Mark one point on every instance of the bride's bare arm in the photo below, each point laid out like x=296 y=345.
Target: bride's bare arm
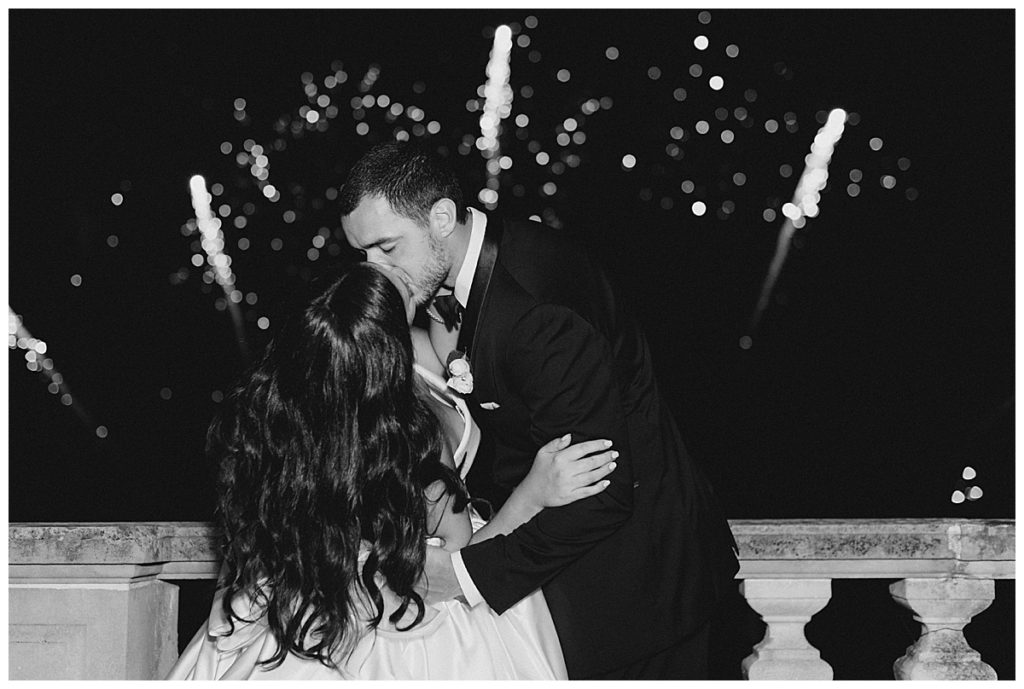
x=561 y=474
x=443 y=522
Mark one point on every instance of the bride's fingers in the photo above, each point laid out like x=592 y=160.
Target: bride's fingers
x=601 y=468
x=555 y=445
x=593 y=489
x=583 y=449
x=595 y=462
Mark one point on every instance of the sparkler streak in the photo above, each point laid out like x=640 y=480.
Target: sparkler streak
x=19 y=337
x=220 y=263
x=497 y=106
x=804 y=204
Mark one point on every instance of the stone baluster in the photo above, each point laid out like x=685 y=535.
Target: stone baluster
x=786 y=605
x=103 y=622
x=943 y=607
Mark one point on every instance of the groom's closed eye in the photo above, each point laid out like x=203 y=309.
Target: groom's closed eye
x=383 y=246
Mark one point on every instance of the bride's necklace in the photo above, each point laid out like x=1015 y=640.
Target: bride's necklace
x=433 y=316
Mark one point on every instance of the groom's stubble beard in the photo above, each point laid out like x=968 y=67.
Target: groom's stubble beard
x=435 y=270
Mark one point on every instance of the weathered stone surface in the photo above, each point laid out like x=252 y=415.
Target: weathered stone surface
x=875 y=548
x=120 y=543
x=943 y=607
x=983 y=540
x=786 y=606
x=779 y=539
x=943 y=655
x=97 y=632
x=900 y=539
x=99 y=560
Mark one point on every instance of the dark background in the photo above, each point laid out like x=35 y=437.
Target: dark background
x=882 y=367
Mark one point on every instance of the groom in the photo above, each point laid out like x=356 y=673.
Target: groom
x=631 y=575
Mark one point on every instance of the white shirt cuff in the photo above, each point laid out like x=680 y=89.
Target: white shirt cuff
x=469 y=589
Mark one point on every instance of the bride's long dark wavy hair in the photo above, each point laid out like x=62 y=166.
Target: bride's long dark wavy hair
x=325 y=445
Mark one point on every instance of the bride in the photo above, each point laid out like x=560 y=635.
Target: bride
x=340 y=454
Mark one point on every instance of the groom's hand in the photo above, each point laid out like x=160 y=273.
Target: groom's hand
x=438 y=582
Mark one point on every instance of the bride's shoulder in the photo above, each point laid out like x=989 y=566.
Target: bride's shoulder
x=423 y=351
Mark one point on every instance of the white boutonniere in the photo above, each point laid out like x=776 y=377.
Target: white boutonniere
x=460 y=378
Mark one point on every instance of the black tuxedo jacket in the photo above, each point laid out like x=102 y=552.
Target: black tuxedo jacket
x=627 y=572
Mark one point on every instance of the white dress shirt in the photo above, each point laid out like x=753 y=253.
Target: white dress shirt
x=463 y=283
x=464 y=280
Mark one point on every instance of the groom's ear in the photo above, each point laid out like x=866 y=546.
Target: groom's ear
x=442 y=217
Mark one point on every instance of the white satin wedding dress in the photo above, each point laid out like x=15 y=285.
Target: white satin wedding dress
x=453 y=642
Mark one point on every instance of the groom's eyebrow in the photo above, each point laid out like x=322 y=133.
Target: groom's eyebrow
x=378 y=242
x=363 y=247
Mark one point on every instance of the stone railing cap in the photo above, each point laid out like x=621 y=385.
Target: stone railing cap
x=875 y=539
x=110 y=543
x=762 y=539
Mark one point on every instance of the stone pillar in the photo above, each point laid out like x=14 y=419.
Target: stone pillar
x=943 y=607
x=91 y=622
x=786 y=605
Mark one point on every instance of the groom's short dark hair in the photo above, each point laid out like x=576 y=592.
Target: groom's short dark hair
x=411 y=177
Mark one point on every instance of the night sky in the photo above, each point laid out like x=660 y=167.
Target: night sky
x=882 y=367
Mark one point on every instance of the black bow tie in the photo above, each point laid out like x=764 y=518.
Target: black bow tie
x=449 y=309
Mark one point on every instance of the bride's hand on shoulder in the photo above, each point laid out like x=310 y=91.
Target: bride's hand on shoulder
x=564 y=473
x=561 y=474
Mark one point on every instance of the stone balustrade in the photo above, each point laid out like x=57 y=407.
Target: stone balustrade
x=945 y=570
x=91 y=601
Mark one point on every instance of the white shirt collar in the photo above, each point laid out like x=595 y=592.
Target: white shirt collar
x=464 y=280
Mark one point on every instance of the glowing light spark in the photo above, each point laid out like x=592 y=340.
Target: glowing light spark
x=370 y=78
x=18 y=337
x=219 y=262
x=805 y=201
x=497 y=106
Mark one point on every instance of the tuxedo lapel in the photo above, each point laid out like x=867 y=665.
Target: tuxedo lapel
x=481 y=281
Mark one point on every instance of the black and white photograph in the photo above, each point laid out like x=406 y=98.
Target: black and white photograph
x=524 y=343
